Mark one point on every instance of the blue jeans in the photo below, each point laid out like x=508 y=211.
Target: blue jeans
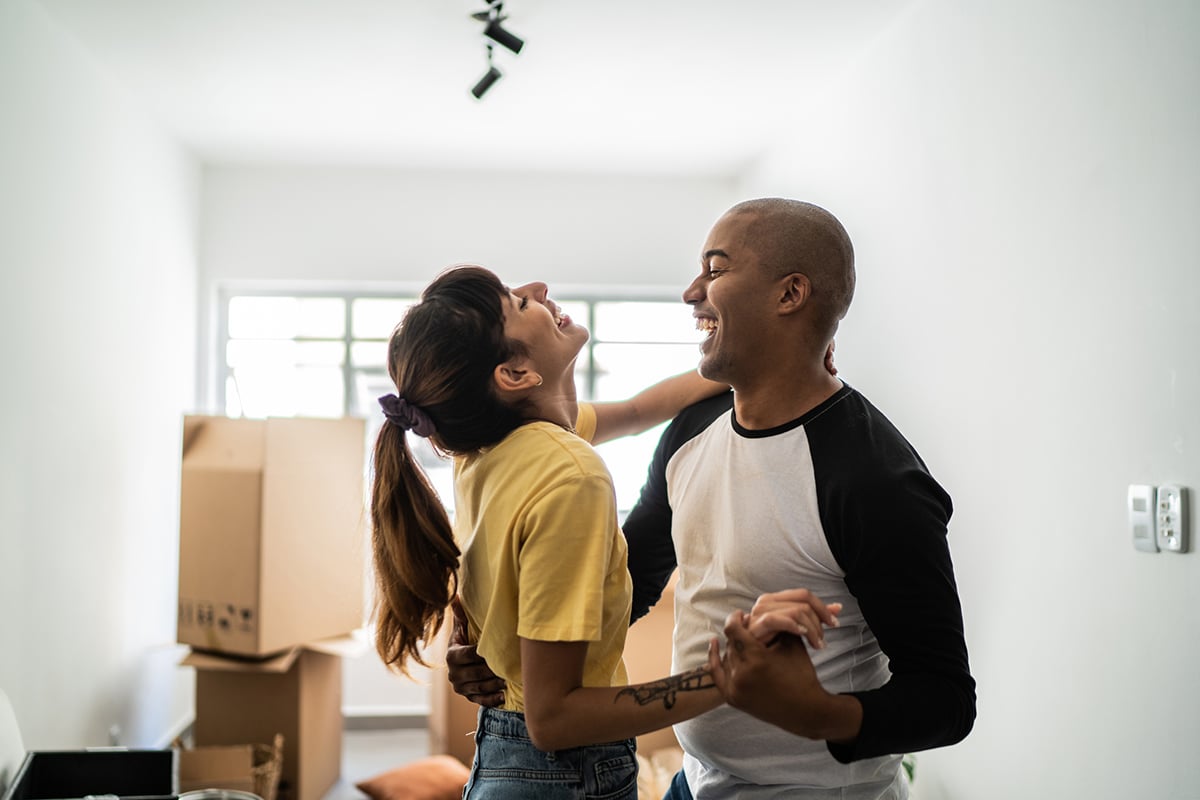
x=508 y=767
x=678 y=790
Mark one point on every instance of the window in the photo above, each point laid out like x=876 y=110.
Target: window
x=324 y=355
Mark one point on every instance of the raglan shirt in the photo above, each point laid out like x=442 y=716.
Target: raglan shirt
x=838 y=502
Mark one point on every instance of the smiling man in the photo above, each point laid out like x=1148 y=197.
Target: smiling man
x=795 y=480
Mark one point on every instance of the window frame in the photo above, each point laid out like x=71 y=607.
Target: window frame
x=588 y=294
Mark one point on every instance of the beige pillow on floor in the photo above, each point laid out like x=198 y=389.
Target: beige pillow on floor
x=438 y=777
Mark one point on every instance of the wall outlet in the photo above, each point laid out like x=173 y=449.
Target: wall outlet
x=1171 y=518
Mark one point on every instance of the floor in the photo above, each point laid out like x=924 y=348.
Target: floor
x=366 y=753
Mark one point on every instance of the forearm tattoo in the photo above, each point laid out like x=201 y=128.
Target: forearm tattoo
x=668 y=689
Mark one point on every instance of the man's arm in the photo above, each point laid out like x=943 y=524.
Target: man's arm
x=898 y=565
x=649 y=407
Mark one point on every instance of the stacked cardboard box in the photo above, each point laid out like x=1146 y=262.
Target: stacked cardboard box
x=241 y=768
x=271 y=584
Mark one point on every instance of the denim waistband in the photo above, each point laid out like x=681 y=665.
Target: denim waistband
x=511 y=725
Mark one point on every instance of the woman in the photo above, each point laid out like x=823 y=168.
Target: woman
x=488 y=375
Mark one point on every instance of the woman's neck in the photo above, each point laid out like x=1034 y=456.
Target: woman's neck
x=556 y=404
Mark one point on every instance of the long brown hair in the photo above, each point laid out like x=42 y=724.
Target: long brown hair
x=441 y=358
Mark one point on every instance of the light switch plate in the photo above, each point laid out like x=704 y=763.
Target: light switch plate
x=1171 y=518
x=1141 y=507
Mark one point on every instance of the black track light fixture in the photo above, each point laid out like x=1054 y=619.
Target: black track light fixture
x=485 y=83
x=490 y=77
x=496 y=32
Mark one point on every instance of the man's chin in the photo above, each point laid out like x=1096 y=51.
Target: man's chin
x=710 y=369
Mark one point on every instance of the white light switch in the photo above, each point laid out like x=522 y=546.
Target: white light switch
x=1141 y=517
x=1171 y=510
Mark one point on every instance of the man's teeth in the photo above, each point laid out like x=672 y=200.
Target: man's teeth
x=706 y=325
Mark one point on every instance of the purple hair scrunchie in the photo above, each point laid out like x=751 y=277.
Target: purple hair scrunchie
x=406 y=416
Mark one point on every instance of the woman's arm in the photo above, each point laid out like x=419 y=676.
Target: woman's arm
x=655 y=404
x=560 y=712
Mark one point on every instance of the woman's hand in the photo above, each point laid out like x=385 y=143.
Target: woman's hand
x=795 y=611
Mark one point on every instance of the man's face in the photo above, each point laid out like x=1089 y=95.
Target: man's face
x=732 y=299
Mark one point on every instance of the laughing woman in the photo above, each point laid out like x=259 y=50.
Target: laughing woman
x=488 y=375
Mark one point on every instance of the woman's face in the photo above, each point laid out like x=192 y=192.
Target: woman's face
x=554 y=339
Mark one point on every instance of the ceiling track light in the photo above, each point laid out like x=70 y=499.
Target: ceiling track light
x=497 y=33
x=490 y=77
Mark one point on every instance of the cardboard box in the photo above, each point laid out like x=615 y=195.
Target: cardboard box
x=253 y=768
x=452 y=717
x=297 y=694
x=58 y=775
x=271 y=532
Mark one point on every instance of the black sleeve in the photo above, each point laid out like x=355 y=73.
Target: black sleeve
x=648 y=533
x=891 y=542
x=886 y=520
x=648 y=526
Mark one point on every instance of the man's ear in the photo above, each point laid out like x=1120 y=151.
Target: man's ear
x=795 y=290
x=515 y=375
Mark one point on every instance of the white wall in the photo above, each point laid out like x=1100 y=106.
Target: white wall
x=1022 y=181
x=97 y=339
x=380 y=226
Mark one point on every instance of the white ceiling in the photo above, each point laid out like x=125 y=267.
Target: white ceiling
x=621 y=85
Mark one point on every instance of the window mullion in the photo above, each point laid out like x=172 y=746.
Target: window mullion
x=591 y=370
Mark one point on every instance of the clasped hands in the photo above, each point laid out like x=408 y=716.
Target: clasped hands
x=765 y=669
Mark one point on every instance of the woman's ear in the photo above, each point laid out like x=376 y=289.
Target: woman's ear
x=515 y=375
x=795 y=290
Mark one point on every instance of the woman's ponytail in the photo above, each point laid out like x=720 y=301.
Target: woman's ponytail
x=416 y=558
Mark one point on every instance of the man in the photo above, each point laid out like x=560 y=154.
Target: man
x=796 y=480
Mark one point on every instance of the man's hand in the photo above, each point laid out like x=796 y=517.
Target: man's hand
x=795 y=611
x=778 y=684
x=469 y=674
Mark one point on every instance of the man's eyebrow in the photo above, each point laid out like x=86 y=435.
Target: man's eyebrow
x=710 y=253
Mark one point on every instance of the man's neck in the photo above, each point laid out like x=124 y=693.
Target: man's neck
x=782 y=397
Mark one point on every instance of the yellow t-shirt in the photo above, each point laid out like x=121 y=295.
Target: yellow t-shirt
x=543 y=556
